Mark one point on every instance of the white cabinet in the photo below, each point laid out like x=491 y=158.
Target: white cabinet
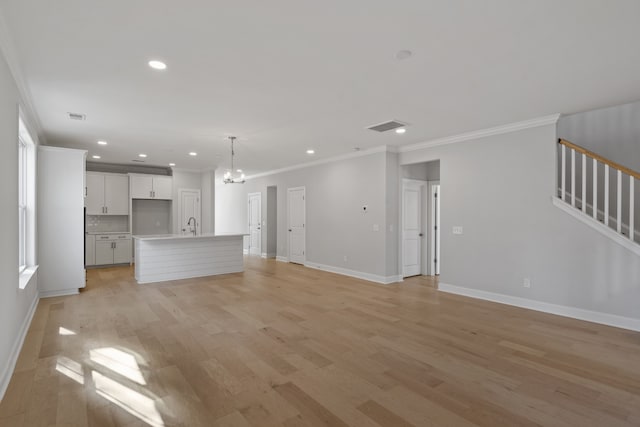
x=151 y=187
x=112 y=249
x=90 y=249
x=107 y=194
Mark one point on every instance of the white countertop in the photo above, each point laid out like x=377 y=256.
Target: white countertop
x=107 y=232
x=188 y=236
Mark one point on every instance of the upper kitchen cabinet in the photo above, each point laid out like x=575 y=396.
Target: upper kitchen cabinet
x=107 y=194
x=151 y=187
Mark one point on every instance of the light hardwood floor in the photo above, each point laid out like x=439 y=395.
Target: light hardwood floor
x=283 y=345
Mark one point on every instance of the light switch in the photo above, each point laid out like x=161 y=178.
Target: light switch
x=457 y=229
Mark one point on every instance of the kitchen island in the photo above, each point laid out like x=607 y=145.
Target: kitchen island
x=159 y=258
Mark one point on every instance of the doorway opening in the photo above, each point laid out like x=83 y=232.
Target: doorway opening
x=420 y=217
x=190 y=211
x=296 y=218
x=255 y=223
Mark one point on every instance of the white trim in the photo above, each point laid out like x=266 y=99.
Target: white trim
x=612 y=220
x=357 y=274
x=282 y=258
x=7 y=372
x=263 y=255
x=596 y=225
x=483 y=133
x=245 y=251
x=545 y=307
x=380 y=149
x=26 y=275
x=60 y=293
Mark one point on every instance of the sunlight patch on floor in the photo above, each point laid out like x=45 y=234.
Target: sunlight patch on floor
x=118 y=361
x=70 y=368
x=137 y=404
x=65 y=331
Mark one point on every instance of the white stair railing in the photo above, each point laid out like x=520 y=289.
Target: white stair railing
x=625 y=210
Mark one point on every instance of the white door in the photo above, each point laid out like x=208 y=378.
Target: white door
x=435 y=240
x=189 y=211
x=296 y=224
x=411 y=228
x=255 y=218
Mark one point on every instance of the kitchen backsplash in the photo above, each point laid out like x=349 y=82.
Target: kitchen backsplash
x=107 y=223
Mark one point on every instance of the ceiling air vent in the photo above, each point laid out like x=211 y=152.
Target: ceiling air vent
x=387 y=126
x=77 y=116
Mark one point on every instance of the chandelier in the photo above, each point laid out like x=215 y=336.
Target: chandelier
x=228 y=177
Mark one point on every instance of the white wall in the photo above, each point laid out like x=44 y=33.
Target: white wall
x=499 y=189
x=208 y=201
x=15 y=303
x=612 y=132
x=336 y=226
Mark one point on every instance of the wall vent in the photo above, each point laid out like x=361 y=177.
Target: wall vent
x=77 y=116
x=137 y=161
x=387 y=126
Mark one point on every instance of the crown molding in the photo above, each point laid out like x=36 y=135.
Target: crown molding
x=483 y=133
x=362 y=153
x=32 y=120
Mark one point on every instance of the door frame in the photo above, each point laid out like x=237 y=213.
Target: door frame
x=304 y=198
x=249 y=196
x=431 y=223
x=423 y=186
x=181 y=191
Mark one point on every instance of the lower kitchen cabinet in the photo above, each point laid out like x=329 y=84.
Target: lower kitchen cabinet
x=90 y=249
x=112 y=249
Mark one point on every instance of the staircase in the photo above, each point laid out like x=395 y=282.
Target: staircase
x=599 y=192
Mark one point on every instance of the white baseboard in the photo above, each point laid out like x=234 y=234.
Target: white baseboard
x=263 y=255
x=62 y=293
x=597 y=225
x=7 y=372
x=245 y=252
x=560 y=310
x=282 y=259
x=352 y=273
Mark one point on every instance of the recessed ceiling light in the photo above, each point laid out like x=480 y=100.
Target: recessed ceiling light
x=157 y=65
x=403 y=54
x=401 y=130
x=96 y=157
x=193 y=153
x=239 y=170
x=102 y=142
x=310 y=151
x=142 y=155
x=172 y=164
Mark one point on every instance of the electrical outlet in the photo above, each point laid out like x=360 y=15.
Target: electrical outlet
x=376 y=227
x=345 y=258
x=457 y=229
x=527 y=282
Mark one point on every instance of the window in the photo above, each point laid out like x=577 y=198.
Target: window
x=22 y=205
x=26 y=200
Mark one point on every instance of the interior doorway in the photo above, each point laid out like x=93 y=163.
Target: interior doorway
x=190 y=211
x=296 y=217
x=255 y=223
x=419 y=237
x=434 y=228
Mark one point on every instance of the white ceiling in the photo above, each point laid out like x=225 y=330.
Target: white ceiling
x=288 y=75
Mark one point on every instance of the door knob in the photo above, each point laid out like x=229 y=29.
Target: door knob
x=289 y=230
x=420 y=234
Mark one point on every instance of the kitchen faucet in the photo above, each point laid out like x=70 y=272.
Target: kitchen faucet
x=193 y=229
